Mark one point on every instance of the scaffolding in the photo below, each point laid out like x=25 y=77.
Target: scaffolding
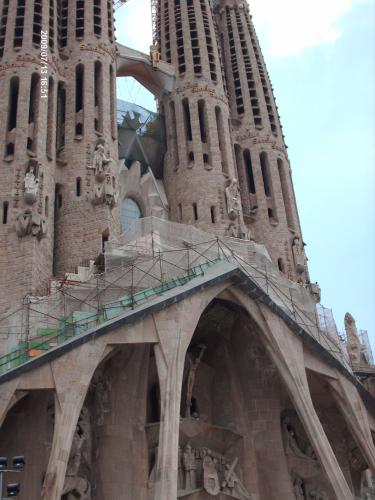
x=154 y=257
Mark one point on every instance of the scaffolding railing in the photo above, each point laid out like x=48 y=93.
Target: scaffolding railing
x=152 y=257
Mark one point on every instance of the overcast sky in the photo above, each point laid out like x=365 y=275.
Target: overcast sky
x=321 y=59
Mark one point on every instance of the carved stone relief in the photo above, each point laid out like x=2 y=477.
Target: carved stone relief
x=202 y=468
x=103 y=190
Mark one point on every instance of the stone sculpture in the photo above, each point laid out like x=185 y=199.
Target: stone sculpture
x=31 y=182
x=202 y=468
x=298 y=255
x=297 y=487
x=233 y=199
x=29 y=222
x=100 y=162
x=190 y=466
x=193 y=366
x=211 y=481
x=353 y=345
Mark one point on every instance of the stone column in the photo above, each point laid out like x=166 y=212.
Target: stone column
x=72 y=374
x=286 y=351
x=355 y=415
x=7 y=394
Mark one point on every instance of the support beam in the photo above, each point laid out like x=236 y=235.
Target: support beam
x=286 y=351
x=352 y=408
x=72 y=373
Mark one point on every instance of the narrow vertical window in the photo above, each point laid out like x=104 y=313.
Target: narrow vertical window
x=179 y=212
x=213 y=213
x=194 y=38
x=280 y=264
x=195 y=211
x=80 y=19
x=33 y=113
x=97 y=18
x=37 y=22
x=179 y=37
x=78 y=186
x=12 y=117
x=285 y=193
x=79 y=101
x=187 y=121
x=98 y=93
x=202 y=120
x=60 y=119
x=112 y=96
x=51 y=33
x=50 y=115
x=249 y=171
x=62 y=23
x=110 y=19
x=265 y=173
x=19 y=24
x=5 y=212
x=221 y=138
x=46 y=206
x=3 y=25
x=172 y=134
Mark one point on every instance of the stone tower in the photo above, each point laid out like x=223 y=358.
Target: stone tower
x=57 y=87
x=199 y=168
x=267 y=195
x=27 y=172
x=86 y=153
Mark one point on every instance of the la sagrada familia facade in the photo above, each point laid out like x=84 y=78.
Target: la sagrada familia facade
x=160 y=337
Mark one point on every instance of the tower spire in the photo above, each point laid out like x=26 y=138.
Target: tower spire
x=262 y=162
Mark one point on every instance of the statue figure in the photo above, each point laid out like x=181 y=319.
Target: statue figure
x=100 y=161
x=154 y=56
x=180 y=477
x=211 y=481
x=233 y=201
x=190 y=466
x=291 y=445
x=298 y=255
x=31 y=183
x=297 y=487
x=353 y=344
x=193 y=366
x=232 y=484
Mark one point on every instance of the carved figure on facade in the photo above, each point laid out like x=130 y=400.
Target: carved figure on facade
x=233 y=199
x=190 y=467
x=193 y=364
x=31 y=182
x=298 y=489
x=298 y=255
x=154 y=56
x=203 y=468
x=353 y=344
x=100 y=161
x=30 y=223
x=291 y=445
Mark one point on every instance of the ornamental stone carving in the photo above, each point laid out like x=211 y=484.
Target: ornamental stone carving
x=30 y=223
x=31 y=182
x=298 y=255
x=205 y=469
x=100 y=162
x=233 y=199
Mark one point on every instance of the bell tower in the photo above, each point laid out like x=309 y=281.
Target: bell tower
x=264 y=173
x=86 y=138
x=199 y=171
